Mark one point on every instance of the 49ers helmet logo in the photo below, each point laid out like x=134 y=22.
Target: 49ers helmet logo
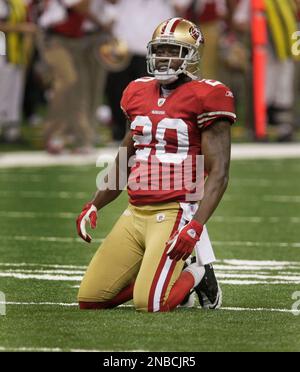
x=195 y=33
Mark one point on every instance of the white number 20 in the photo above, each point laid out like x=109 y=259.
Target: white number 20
x=144 y=140
x=213 y=83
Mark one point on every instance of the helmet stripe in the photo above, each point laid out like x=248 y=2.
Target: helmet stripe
x=171 y=26
x=175 y=25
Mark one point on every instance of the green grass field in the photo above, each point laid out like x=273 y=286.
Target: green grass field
x=255 y=233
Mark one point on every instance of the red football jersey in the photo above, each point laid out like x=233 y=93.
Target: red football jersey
x=167 y=136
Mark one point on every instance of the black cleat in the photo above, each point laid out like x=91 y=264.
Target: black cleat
x=209 y=291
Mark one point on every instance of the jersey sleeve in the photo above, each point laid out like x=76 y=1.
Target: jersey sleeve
x=218 y=104
x=125 y=102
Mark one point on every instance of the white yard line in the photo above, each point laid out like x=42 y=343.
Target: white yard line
x=259 y=263
x=281 y=198
x=46 y=349
x=257 y=282
x=265 y=269
x=17 y=177
x=255 y=181
x=237 y=243
x=229 y=272
x=64 y=278
x=256 y=276
x=131 y=306
x=59 y=350
x=39 y=304
x=259 y=182
x=254 y=219
x=220 y=268
x=261 y=309
x=232 y=264
x=21 y=215
x=66 y=195
x=217 y=219
x=222 y=276
x=48 y=239
x=49 y=266
x=262 y=198
x=57 y=271
x=243 y=282
x=234 y=243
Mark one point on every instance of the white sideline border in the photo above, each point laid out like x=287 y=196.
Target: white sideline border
x=43 y=159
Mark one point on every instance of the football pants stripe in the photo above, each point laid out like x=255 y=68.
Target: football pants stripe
x=188 y=212
x=157 y=285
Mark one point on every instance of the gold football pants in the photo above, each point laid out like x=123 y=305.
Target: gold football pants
x=135 y=251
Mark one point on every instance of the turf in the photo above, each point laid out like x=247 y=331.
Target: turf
x=258 y=220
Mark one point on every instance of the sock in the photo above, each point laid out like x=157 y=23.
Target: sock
x=180 y=289
x=197 y=271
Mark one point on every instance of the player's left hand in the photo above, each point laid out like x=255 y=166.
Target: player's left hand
x=182 y=243
x=88 y=214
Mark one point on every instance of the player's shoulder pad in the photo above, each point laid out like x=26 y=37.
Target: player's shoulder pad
x=138 y=84
x=208 y=86
x=145 y=79
x=133 y=89
x=141 y=82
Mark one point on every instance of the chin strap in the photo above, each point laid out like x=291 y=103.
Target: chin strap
x=190 y=75
x=172 y=76
x=169 y=78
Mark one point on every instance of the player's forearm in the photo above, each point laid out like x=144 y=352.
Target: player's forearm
x=7 y=27
x=216 y=148
x=105 y=197
x=214 y=190
x=110 y=191
x=24 y=27
x=119 y=172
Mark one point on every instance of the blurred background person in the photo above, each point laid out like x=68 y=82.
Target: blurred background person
x=297 y=81
x=73 y=29
x=36 y=84
x=226 y=54
x=209 y=15
x=281 y=16
x=13 y=22
x=98 y=31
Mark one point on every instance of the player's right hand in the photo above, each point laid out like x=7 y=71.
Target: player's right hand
x=88 y=214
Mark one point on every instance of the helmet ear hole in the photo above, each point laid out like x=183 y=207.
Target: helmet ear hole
x=154 y=48
x=184 y=52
